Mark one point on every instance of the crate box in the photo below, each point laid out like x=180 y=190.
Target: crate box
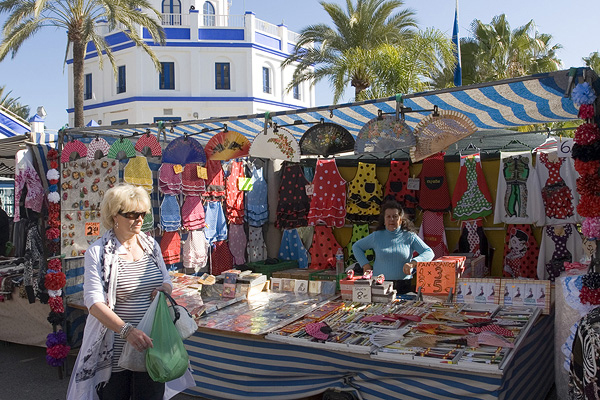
x=269 y=269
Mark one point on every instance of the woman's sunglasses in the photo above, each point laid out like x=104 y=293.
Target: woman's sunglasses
x=133 y=214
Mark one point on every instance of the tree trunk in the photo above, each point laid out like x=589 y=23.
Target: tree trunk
x=78 y=81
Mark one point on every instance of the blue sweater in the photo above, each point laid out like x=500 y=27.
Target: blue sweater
x=392 y=251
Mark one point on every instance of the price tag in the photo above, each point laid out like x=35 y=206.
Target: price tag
x=201 y=172
x=565 y=147
x=92 y=228
x=413 y=184
x=177 y=168
x=310 y=189
x=361 y=293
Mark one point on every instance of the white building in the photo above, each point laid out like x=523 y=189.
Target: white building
x=214 y=64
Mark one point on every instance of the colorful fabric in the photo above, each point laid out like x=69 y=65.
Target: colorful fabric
x=433 y=233
x=257 y=208
x=121 y=149
x=364 y=196
x=471 y=198
x=191 y=184
x=559 y=201
x=215 y=182
x=192 y=213
x=584 y=373
x=294 y=203
x=72 y=148
x=169 y=182
x=27 y=178
x=184 y=150
x=170 y=246
x=237 y=243
x=137 y=172
x=97 y=145
x=195 y=251
x=291 y=248
x=396 y=187
x=221 y=258
x=170 y=218
x=473 y=239
x=433 y=193
x=235 y=196
x=560 y=244
x=358 y=232
x=520 y=252
x=323 y=249
x=148 y=145
x=257 y=249
x=328 y=202
x=216 y=224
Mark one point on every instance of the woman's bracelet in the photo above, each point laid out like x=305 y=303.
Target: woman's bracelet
x=125 y=330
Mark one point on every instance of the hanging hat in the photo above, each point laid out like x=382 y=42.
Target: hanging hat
x=73 y=150
x=226 y=145
x=121 y=149
x=276 y=145
x=325 y=139
x=436 y=132
x=148 y=145
x=384 y=133
x=184 y=150
x=97 y=149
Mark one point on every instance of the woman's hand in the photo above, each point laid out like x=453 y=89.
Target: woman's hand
x=367 y=267
x=139 y=340
x=165 y=287
x=408 y=266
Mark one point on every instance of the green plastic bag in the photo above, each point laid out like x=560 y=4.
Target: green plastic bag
x=168 y=359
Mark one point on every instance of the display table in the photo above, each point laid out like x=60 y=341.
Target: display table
x=241 y=366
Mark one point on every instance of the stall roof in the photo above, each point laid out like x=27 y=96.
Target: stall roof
x=12 y=125
x=508 y=103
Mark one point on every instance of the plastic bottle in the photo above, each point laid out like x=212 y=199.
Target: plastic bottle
x=339 y=261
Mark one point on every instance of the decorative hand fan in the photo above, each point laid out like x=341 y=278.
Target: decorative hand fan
x=226 y=145
x=435 y=133
x=280 y=145
x=184 y=150
x=73 y=150
x=97 y=149
x=120 y=149
x=148 y=145
x=326 y=139
x=384 y=134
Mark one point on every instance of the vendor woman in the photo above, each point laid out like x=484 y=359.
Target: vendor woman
x=394 y=245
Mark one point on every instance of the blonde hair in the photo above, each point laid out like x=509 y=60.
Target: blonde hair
x=123 y=197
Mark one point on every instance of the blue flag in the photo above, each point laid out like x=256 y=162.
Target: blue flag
x=456 y=41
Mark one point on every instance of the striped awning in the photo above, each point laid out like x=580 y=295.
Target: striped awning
x=509 y=103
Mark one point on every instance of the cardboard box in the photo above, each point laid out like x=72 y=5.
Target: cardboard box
x=286 y=273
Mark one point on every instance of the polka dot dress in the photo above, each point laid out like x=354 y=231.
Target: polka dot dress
x=358 y=232
x=222 y=260
x=471 y=198
x=520 y=252
x=433 y=234
x=235 y=196
x=291 y=248
x=328 y=202
x=294 y=203
x=561 y=253
x=237 y=243
x=557 y=196
x=396 y=187
x=257 y=249
x=323 y=249
x=364 y=195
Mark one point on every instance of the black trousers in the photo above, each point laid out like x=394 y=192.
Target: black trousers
x=126 y=385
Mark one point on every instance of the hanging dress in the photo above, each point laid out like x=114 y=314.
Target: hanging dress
x=170 y=217
x=257 y=249
x=195 y=251
x=216 y=225
x=364 y=195
x=328 y=202
x=471 y=198
x=323 y=249
x=291 y=248
x=558 y=187
x=170 y=246
x=27 y=178
x=293 y=203
x=191 y=183
x=237 y=243
x=473 y=239
x=560 y=244
x=215 y=182
x=192 y=213
x=358 y=232
x=520 y=252
x=433 y=233
x=396 y=187
x=169 y=182
x=257 y=207
x=221 y=258
x=235 y=196
x=433 y=193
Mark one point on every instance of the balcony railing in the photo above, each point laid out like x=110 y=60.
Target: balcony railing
x=293 y=37
x=175 y=19
x=266 y=27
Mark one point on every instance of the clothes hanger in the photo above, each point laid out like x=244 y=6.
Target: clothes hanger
x=515 y=141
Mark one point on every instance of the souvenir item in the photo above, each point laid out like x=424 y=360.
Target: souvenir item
x=192 y=213
x=473 y=239
x=26 y=178
x=237 y=243
x=293 y=204
x=556 y=178
x=292 y=248
x=325 y=139
x=169 y=182
x=560 y=244
x=191 y=183
x=184 y=150
x=235 y=196
x=195 y=251
x=364 y=196
x=216 y=225
x=384 y=134
x=257 y=249
x=222 y=260
x=436 y=132
x=434 y=194
x=148 y=145
x=121 y=149
x=433 y=233
x=73 y=150
x=275 y=144
x=328 y=202
x=358 y=232
x=324 y=246
x=137 y=172
x=98 y=148
x=170 y=246
x=227 y=145
x=170 y=218
x=257 y=209
x=215 y=182
x=471 y=198
x=396 y=187
x=520 y=252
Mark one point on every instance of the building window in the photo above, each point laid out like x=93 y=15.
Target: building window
x=122 y=81
x=167 y=119
x=209 y=14
x=222 y=81
x=167 y=76
x=171 y=12
x=120 y=122
x=87 y=87
x=296 y=92
x=266 y=80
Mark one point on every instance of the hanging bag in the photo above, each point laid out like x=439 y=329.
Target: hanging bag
x=167 y=359
x=184 y=322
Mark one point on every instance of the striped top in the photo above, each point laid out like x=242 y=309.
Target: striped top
x=135 y=282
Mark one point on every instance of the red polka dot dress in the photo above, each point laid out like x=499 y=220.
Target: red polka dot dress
x=557 y=196
x=323 y=248
x=396 y=187
x=521 y=252
x=294 y=203
x=235 y=197
x=328 y=202
x=222 y=259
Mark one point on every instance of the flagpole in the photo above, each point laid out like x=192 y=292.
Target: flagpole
x=456 y=41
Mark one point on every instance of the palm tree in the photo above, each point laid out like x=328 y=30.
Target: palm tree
x=326 y=52
x=78 y=18
x=12 y=104
x=593 y=61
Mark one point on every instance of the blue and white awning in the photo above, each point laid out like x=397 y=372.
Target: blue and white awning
x=11 y=124
x=503 y=104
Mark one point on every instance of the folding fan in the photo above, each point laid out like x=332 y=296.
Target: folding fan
x=436 y=132
x=73 y=150
x=184 y=150
x=226 y=145
x=325 y=139
x=121 y=149
x=384 y=134
x=276 y=145
x=97 y=149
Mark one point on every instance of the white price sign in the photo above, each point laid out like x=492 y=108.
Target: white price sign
x=565 y=147
x=413 y=184
x=361 y=293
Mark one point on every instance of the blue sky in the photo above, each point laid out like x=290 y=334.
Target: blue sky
x=36 y=74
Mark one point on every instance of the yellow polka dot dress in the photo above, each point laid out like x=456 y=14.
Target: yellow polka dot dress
x=365 y=194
